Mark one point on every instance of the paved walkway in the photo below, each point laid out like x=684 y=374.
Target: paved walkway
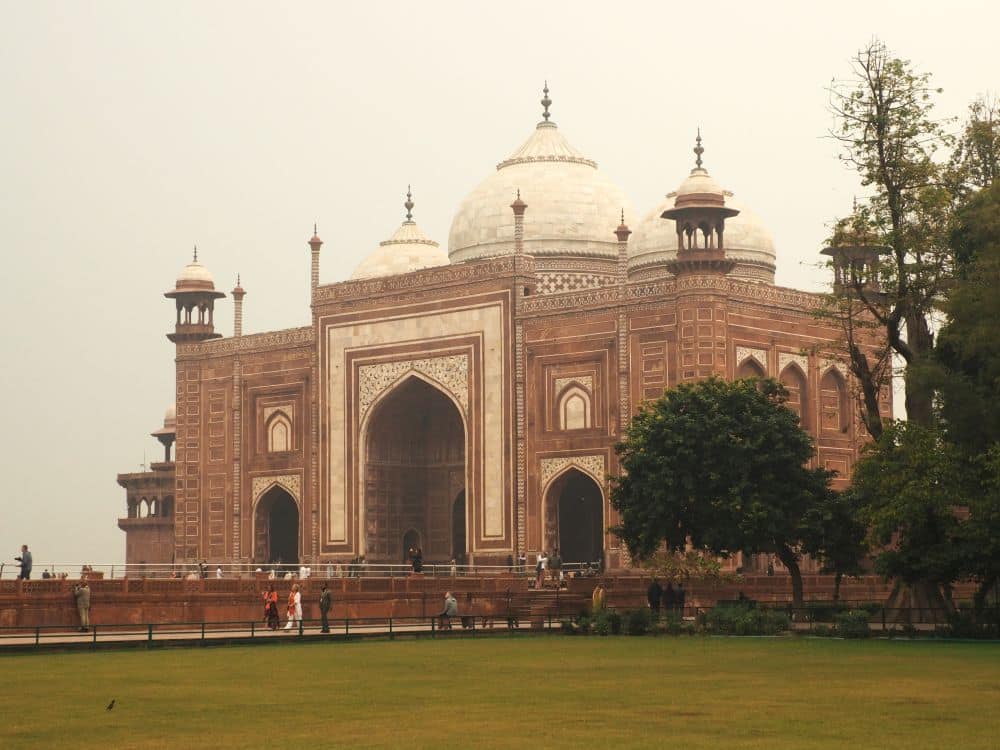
x=166 y=634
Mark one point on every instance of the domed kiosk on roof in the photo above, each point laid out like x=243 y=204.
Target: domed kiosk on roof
x=573 y=210
x=409 y=249
x=747 y=241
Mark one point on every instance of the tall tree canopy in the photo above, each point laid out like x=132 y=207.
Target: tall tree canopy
x=722 y=466
x=884 y=123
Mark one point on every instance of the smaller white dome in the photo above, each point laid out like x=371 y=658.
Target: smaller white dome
x=409 y=249
x=699 y=182
x=195 y=277
x=747 y=240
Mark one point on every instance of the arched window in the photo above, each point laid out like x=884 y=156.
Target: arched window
x=794 y=380
x=834 y=411
x=279 y=433
x=750 y=368
x=153 y=506
x=574 y=409
x=143 y=508
x=167 y=506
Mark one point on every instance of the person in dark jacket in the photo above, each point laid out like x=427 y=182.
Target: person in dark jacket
x=325 y=599
x=25 y=560
x=669 y=598
x=653 y=595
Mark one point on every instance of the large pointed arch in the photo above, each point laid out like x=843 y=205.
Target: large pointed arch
x=413 y=445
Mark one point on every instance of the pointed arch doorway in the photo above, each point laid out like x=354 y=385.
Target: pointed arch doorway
x=575 y=517
x=276 y=520
x=414 y=472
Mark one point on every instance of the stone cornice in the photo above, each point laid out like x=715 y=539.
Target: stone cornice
x=255 y=342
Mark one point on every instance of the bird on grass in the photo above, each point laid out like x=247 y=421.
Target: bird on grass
x=112 y=704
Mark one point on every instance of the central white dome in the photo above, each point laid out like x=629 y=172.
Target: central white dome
x=573 y=209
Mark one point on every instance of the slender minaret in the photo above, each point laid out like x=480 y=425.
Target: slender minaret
x=624 y=406
x=238 y=294
x=622 y=233
x=315 y=243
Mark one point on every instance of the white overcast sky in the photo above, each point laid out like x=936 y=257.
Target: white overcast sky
x=131 y=131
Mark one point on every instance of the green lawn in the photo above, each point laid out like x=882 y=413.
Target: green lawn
x=533 y=693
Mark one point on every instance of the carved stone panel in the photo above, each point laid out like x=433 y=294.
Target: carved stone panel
x=451 y=372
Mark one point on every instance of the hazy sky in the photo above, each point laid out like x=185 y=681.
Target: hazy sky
x=134 y=130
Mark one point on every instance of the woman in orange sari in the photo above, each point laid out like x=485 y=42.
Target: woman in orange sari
x=271 y=607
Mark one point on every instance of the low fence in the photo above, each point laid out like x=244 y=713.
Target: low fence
x=57 y=570
x=471 y=624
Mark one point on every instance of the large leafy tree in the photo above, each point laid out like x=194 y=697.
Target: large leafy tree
x=885 y=126
x=833 y=533
x=910 y=484
x=720 y=466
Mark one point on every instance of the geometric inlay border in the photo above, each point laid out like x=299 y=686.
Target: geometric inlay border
x=291 y=482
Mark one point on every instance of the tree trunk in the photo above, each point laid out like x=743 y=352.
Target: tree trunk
x=791 y=561
x=919 y=398
x=837 y=577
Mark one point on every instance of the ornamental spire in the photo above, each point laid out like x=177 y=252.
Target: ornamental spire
x=409 y=204
x=698 y=150
x=546 y=102
x=195 y=254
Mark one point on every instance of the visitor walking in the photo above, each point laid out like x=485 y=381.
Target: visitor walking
x=25 y=561
x=81 y=592
x=555 y=565
x=271 y=607
x=450 y=610
x=325 y=599
x=540 y=565
x=294 y=607
x=203 y=569
x=522 y=563
x=597 y=599
x=653 y=595
x=510 y=563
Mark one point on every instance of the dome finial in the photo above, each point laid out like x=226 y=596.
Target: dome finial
x=546 y=102
x=195 y=253
x=698 y=150
x=409 y=204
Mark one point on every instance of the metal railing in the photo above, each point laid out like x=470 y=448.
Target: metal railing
x=279 y=571
x=470 y=624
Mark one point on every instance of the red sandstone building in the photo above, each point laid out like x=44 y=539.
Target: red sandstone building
x=468 y=402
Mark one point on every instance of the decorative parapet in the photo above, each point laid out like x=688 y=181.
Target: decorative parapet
x=255 y=342
x=427 y=278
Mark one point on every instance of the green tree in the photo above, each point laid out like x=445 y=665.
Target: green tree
x=884 y=123
x=721 y=466
x=833 y=533
x=967 y=359
x=912 y=484
x=975 y=162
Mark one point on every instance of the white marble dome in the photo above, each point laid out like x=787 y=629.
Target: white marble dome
x=195 y=276
x=409 y=249
x=572 y=211
x=746 y=239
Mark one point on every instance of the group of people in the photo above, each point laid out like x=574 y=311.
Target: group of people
x=293 y=609
x=671 y=598
x=546 y=564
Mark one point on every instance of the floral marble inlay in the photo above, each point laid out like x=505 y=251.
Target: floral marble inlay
x=592 y=465
x=451 y=372
x=746 y=352
x=584 y=381
x=290 y=482
x=785 y=359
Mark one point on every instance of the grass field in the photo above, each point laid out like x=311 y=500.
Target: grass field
x=529 y=692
